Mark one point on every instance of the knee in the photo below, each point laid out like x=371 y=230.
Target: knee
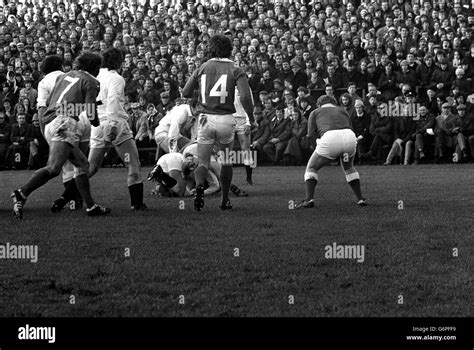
x=310 y=174
x=351 y=174
x=134 y=178
x=54 y=170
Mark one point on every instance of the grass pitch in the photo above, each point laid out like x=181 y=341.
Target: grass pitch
x=260 y=259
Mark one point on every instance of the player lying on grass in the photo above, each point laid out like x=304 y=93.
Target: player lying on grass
x=336 y=140
x=76 y=88
x=174 y=173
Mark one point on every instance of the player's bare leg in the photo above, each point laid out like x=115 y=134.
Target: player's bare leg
x=96 y=156
x=226 y=176
x=353 y=179
x=128 y=152
x=200 y=173
x=81 y=164
x=315 y=163
x=58 y=154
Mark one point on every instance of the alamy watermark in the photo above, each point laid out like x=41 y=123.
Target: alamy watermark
x=340 y=251
x=12 y=251
x=247 y=157
x=397 y=109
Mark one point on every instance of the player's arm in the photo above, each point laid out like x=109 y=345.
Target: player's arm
x=91 y=92
x=177 y=118
x=116 y=98
x=245 y=96
x=312 y=124
x=180 y=186
x=191 y=85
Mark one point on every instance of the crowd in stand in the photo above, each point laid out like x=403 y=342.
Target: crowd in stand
x=403 y=70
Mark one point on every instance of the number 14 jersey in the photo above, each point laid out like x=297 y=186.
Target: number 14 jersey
x=216 y=81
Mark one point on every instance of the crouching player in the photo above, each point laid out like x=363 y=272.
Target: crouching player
x=114 y=128
x=337 y=140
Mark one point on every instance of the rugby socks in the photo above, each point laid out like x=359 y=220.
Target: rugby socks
x=310 y=186
x=39 y=178
x=82 y=183
x=355 y=186
x=226 y=181
x=71 y=191
x=136 y=194
x=167 y=180
x=248 y=170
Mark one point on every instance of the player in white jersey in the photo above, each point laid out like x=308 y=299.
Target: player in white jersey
x=114 y=129
x=336 y=140
x=169 y=132
x=242 y=129
x=51 y=68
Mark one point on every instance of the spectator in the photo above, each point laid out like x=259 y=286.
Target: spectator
x=465 y=135
x=38 y=146
x=4 y=139
x=280 y=133
x=360 y=120
x=445 y=129
x=261 y=135
x=20 y=137
x=381 y=129
x=426 y=121
x=298 y=144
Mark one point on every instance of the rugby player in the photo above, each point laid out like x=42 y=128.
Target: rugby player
x=216 y=81
x=75 y=88
x=169 y=132
x=114 y=128
x=242 y=130
x=336 y=140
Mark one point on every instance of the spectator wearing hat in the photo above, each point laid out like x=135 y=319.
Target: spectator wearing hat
x=446 y=127
x=360 y=120
x=280 y=133
x=466 y=131
x=464 y=85
x=4 y=138
x=260 y=135
x=38 y=146
x=442 y=78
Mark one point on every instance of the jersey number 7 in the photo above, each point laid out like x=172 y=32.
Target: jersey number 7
x=218 y=90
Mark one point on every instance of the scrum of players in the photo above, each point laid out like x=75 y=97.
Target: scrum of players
x=191 y=134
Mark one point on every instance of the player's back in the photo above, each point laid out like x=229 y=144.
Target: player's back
x=74 y=89
x=217 y=80
x=328 y=118
x=46 y=87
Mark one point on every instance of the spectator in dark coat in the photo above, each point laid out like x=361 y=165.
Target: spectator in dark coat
x=38 y=146
x=280 y=133
x=465 y=134
x=261 y=135
x=442 y=78
x=298 y=143
x=4 y=139
x=422 y=138
x=361 y=125
x=405 y=76
x=445 y=128
x=424 y=72
x=381 y=129
x=20 y=137
x=388 y=82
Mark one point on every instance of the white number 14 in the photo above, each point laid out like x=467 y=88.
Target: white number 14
x=218 y=90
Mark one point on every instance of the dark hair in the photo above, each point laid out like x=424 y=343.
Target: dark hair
x=112 y=59
x=89 y=62
x=51 y=63
x=322 y=100
x=220 y=46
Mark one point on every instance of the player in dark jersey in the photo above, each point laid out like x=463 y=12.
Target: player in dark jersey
x=336 y=140
x=73 y=94
x=216 y=81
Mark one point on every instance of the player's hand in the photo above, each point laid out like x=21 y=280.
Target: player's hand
x=247 y=129
x=399 y=141
x=112 y=135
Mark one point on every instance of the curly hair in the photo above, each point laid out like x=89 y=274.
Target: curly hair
x=220 y=46
x=89 y=62
x=51 y=63
x=112 y=59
